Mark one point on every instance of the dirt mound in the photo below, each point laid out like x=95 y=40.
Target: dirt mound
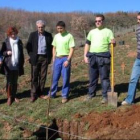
x=123 y=123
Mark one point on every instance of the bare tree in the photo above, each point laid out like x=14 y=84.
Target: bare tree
x=79 y=23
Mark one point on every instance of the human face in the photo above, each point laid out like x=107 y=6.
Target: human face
x=40 y=28
x=13 y=35
x=138 y=19
x=60 y=29
x=98 y=22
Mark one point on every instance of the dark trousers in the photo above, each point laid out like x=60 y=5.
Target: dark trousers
x=38 y=76
x=100 y=68
x=12 y=78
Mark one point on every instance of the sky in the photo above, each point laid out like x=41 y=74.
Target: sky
x=95 y=6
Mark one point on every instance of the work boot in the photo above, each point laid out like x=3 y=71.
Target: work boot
x=17 y=100
x=64 y=100
x=33 y=99
x=43 y=97
x=90 y=97
x=14 y=91
x=104 y=101
x=9 y=100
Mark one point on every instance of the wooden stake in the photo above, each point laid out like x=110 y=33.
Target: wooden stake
x=123 y=67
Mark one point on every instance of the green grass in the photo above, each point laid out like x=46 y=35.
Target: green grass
x=36 y=113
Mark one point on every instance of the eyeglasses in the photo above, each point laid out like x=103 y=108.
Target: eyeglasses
x=59 y=28
x=98 y=21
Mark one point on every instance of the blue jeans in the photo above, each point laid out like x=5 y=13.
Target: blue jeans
x=133 y=82
x=59 y=69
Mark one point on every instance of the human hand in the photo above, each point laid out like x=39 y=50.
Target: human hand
x=9 y=53
x=113 y=42
x=86 y=60
x=66 y=63
x=53 y=59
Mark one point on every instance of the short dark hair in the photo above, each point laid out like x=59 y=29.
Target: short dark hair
x=138 y=13
x=61 y=23
x=101 y=15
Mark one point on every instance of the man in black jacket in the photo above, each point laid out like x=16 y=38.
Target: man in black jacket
x=39 y=49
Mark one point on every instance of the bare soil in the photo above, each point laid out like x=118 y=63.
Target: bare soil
x=124 y=123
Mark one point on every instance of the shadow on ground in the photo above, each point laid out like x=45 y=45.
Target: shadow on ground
x=2 y=101
x=121 y=88
x=52 y=132
x=26 y=93
x=80 y=88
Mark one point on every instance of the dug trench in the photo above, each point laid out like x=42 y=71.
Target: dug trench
x=123 y=123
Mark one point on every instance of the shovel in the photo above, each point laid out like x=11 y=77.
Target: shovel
x=112 y=96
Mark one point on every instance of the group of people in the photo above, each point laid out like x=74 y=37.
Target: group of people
x=42 y=48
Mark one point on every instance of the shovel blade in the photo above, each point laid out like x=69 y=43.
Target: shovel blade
x=112 y=98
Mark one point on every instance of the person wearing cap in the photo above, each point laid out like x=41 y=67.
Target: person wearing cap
x=39 y=49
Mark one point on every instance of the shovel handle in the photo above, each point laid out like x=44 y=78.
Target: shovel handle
x=112 y=67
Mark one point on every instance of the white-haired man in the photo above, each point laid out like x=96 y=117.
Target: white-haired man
x=39 y=49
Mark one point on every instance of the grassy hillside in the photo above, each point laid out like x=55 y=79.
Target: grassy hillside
x=14 y=120
x=76 y=22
